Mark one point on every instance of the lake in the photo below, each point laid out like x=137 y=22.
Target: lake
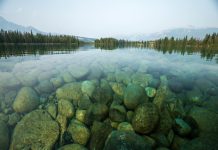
x=56 y=96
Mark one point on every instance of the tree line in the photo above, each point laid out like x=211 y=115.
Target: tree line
x=112 y=43
x=29 y=37
x=210 y=42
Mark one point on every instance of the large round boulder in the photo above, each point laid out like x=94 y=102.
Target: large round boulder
x=78 y=71
x=26 y=100
x=133 y=96
x=125 y=140
x=73 y=147
x=36 y=130
x=146 y=118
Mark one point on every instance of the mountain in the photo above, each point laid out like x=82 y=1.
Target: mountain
x=198 y=33
x=7 y=25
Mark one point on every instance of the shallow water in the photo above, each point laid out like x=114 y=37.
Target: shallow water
x=191 y=79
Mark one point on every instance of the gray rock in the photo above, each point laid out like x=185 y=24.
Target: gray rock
x=4 y=136
x=36 y=130
x=78 y=71
x=57 y=82
x=79 y=132
x=134 y=95
x=8 y=80
x=67 y=77
x=44 y=87
x=125 y=140
x=26 y=100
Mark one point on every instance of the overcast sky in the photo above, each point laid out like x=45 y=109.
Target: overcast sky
x=101 y=18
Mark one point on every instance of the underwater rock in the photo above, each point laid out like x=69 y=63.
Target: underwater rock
x=57 y=82
x=80 y=115
x=122 y=77
x=9 y=97
x=178 y=142
x=28 y=78
x=46 y=75
x=163 y=93
x=4 y=136
x=78 y=71
x=79 y=132
x=4 y=117
x=52 y=109
x=88 y=87
x=165 y=121
x=125 y=140
x=44 y=87
x=211 y=104
x=84 y=102
x=111 y=77
x=206 y=120
x=36 y=130
x=195 y=96
x=125 y=126
x=161 y=139
x=67 y=77
x=117 y=113
x=118 y=88
x=8 y=80
x=99 y=134
x=104 y=93
x=26 y=100
x=146 y=118
x=151 y=92
x=142 y=79
x=62 y=121
x=175 y=85
x=205 y=142
x=66 y=108
x=181 y=127
x=129 y=115
x=96 y=111
x=134 y=95
x=73 y=147
x=70 y=91
x=13 y=119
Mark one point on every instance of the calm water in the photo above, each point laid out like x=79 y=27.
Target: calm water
x=191 y=80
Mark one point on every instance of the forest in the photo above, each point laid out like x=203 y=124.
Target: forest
x=28 y=37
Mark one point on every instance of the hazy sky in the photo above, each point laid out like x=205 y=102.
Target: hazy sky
x=97 y=18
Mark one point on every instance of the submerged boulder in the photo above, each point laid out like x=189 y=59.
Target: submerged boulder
x=79 y=132
x=70 y=91
x=66 y=108
x=88 y=87
x=134 y=95
x=4 y=136
x=125 y=140
x=78 y=71
x=36 y=130
x=99 y=134
x=26 y=100
x=8 y=80
x=146 y=118
x=73 y=147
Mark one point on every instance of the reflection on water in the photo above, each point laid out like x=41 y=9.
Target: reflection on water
x=61 y=96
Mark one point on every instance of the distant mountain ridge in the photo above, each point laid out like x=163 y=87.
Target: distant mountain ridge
x=198 y=33
x=7 y=25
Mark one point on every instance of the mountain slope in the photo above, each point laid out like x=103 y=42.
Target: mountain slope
x=198 y=33
x=7 y=25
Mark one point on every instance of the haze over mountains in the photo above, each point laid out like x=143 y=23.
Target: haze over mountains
x=198 y=33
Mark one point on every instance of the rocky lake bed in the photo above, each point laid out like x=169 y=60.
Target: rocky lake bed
x=109 y=100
